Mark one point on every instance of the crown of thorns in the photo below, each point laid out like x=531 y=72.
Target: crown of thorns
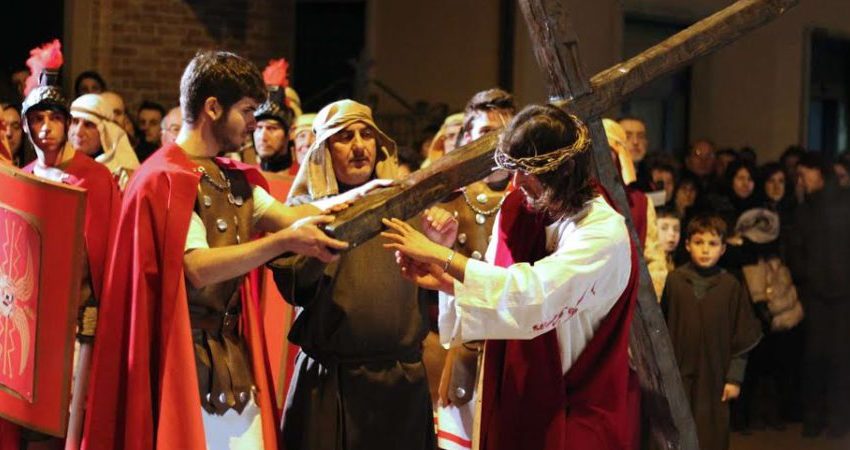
x=546 y=162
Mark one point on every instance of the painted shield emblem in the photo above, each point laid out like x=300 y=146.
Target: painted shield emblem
x=19 y=270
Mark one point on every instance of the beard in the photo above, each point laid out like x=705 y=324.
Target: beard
x=222 y=136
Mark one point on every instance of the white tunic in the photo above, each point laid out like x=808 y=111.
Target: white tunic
x=570 y=291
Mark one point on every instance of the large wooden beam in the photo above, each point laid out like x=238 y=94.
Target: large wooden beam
x=610 y=87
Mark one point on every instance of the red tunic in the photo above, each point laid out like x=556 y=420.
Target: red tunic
x=144 y=392
x=527 y=400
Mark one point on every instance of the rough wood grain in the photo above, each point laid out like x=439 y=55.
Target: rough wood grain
x=610 y=87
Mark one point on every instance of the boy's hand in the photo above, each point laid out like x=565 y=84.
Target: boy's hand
x=730 y=392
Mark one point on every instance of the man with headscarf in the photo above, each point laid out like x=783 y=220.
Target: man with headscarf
x=359 y=381
x=302 y=136
x=46 y=120
x=445 y=140
x=95 y=133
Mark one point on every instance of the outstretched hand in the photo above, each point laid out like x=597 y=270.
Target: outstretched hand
x=305 y=238
x=426 y=276
x=411 y=243
x=440 y=226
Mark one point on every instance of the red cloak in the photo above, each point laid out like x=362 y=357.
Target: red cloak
x=102 y=203
x=527 y=400
x=144 y=392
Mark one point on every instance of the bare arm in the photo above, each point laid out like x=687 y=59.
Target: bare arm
x=280 y=216
x=208 y=266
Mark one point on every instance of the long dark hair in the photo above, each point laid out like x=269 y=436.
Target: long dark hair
x=540 y=129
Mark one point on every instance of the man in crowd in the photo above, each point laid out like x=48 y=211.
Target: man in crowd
x=149 y=118
x=170 y=126
x=554 y=299
x=95 y=133
x=181 y=360
x=302 y=136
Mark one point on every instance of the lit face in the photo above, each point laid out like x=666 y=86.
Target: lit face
x=664 y=178
x=669 y=232
x=270 y=138
x=842 y=176
x=810 y=178
x=636 y=140
x=774 y=186
x=742 y=183
x=700 y=160
x=353 y=153
x=303 y=140
x=149 y=123
x=484 y=122
x=686 y=196
x=170 y=126
x=90 y=86
x=84 y=136
x=705 y=249
x=530 y=186
x=47 y=130
x=451 y=137
x=14 y=132
x=234 y=125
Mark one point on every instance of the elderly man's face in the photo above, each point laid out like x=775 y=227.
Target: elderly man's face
x=353 y=153
x=84 y=136
x=636 y=139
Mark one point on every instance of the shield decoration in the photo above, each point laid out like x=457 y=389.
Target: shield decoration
x=41 y=264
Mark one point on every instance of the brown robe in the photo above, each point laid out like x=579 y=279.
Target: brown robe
x=712 y=326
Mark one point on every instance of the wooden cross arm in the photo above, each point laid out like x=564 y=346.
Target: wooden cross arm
x=421 y=189
x=613 y=85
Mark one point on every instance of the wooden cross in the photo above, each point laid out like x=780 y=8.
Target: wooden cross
x=556 y=48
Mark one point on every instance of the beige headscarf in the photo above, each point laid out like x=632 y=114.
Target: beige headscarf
x=617 y=140
x=316 y=176
x=301 y=123
x=438 y=145
x=117 y=152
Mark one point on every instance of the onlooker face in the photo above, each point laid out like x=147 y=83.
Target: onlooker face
x=19 y=80
x=774 y=186
x=269 y=138
x=84 y=136
x=810 y=178
x=636 y=140
x=90 y=86
x=119 y=113
x=686 y=196
x=303 y=140
x=669 y=232
x=14 y=132
x=353 y=153
x=742 y=183
x=149 y=124
x=705 y=249
x=233 y=128
x=171 y=126
x=722 y=162
x=451 y=137
x=664 y=178
x=841 y=175
x=700 y=160
x=47 y=130
x=484 y=122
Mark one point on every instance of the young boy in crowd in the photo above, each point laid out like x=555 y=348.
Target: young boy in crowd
x=669 y=226
x=712 y=327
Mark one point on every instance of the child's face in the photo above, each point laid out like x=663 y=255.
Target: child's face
x=705 y=248
x=669 y=233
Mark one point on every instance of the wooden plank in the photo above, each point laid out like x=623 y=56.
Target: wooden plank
x=610 y=87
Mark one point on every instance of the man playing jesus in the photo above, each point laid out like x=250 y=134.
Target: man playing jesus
x=554 y=298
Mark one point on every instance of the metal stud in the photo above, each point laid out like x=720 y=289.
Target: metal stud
x=221 y=224
x=482 y=198
x=480 y=219
x=222 y=398
x=243 y=397
x=476 y=255
x=207 y=201
x=461 y=238
x=460 y=392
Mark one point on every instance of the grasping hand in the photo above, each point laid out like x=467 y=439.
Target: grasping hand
x=440 y=226
x=411 y=243
x=730 y=392
x=426 y=276
x=305 y=238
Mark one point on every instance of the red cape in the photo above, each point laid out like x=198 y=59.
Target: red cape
x=144 y=392
x=102 y=203
x=527 y=400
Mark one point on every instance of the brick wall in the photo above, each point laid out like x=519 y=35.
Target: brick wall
x=142 y=46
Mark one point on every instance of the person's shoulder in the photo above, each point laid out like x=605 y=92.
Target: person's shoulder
x=600 y=217
x=165 y=169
